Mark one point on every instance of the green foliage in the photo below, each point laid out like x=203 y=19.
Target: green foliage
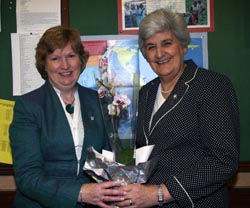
x=126 y=153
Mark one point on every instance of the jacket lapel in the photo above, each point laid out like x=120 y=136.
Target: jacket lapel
x=54 y=111
x=150 y=100
x=175 y=98
x=88 y=117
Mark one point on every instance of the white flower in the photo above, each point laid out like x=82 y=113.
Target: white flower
x=114 y=110
x=107 y=78
x=101 y=92
x=121 y=100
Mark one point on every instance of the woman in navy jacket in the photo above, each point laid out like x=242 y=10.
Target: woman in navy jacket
x=54 y=125
x=190 y=115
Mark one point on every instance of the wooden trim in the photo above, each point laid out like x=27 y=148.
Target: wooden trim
x=65 y=12
x=7 y=198
x=239 y=197
x=244 y=166
x=6 y=169
x=8 y=183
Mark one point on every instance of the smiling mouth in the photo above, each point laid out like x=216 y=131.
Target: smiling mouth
x=67 y=73
x=164 y=61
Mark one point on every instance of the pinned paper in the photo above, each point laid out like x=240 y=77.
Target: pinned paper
x=6 y=112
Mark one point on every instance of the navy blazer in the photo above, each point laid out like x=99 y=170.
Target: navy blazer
x=44 y=157
x=196 y=133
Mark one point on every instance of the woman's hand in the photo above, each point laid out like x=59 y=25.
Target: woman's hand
x=102 y=194
x=142 y=195
x=139 y=195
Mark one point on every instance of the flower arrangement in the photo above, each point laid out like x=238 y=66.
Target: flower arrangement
x=115 y=104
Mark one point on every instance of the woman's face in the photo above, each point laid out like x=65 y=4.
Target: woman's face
x=63 y=68
x=165 y=54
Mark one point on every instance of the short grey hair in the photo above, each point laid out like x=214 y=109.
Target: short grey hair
x=163 y=20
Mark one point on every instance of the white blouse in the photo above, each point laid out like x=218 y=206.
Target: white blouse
x=76 y=125
x=158 y=102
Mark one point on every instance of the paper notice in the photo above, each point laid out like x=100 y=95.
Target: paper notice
x=6 y=112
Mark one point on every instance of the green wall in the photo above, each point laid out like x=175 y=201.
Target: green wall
x=228 y=45
x=229 y=53
x=8 y=25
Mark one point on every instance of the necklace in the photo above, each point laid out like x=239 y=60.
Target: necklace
x=70 y=107
x=165 y=92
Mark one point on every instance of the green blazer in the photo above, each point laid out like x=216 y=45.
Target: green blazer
x=44 y=158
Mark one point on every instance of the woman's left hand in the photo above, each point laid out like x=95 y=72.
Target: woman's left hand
x=139 y=195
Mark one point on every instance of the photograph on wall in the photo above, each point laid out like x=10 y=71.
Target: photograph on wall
x=198 y=14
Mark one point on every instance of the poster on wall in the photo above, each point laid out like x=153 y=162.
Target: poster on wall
x=199 y=14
